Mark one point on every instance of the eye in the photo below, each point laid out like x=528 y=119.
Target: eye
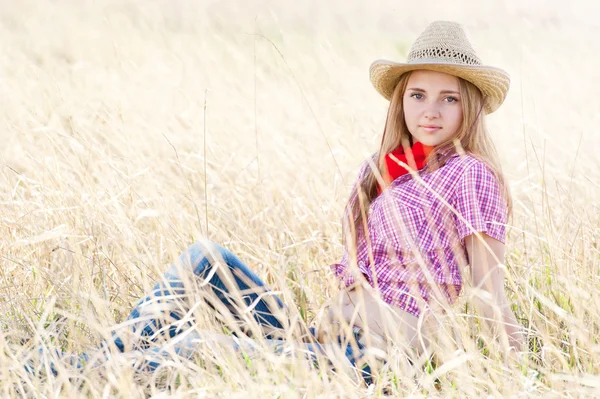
x=454 y=99
x=416 y=94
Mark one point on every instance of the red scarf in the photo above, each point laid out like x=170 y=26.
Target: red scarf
x=416 y=162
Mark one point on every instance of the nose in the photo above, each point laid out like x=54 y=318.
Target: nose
x=432 y=111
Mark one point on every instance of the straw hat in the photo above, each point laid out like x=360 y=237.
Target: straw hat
x=444 y=47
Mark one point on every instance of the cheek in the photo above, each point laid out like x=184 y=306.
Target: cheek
x=409 y=113
x=456 y=117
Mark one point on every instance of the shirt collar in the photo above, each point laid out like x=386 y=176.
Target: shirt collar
x=447 y=152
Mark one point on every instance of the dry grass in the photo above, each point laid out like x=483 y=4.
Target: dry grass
x=103 y=179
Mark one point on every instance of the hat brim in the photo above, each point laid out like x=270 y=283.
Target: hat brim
x=493 y=82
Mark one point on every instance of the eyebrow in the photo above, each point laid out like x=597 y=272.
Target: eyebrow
x=441 y=92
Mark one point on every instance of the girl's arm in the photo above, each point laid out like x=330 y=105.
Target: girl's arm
x=488 y=275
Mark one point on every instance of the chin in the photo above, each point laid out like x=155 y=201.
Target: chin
x=430 y=142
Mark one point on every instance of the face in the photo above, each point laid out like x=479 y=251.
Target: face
x=432 y=106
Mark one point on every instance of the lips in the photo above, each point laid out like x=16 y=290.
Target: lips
x=430 y=128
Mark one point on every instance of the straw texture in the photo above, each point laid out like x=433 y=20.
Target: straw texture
x=444 y=47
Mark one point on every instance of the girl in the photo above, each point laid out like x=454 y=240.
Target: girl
x=451 y=211
x=429 y=202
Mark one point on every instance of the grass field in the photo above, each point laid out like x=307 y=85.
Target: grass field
x=131 y=129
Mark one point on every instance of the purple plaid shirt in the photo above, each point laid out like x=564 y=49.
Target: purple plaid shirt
x=416 y=230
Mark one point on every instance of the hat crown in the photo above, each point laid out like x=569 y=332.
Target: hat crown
x=443 y=41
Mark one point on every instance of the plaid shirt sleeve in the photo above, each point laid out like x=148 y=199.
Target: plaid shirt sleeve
x=480 y=204
x=339 y=269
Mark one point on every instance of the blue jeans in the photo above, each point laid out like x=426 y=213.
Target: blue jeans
x=232 y=289
x=196 y=269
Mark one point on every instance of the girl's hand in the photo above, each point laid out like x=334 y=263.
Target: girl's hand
x=486 y=257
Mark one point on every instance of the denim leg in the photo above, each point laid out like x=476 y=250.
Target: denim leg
x=202 y=260
x=211 y=265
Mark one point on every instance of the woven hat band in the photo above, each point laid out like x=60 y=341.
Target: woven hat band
x=450 y=56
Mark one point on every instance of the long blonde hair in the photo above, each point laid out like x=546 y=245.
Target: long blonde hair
x=472 y=137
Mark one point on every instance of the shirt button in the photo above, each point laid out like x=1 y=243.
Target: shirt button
x=361 y=264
